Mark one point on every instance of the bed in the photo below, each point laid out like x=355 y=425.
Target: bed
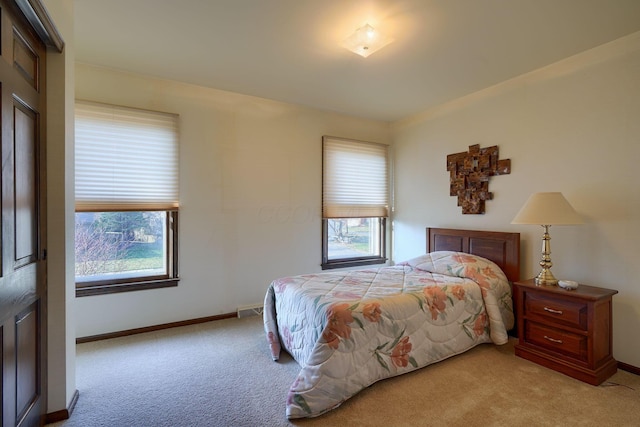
x=349 y=329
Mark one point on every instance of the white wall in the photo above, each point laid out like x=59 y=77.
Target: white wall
x=250 y=195
x=61 y=337
x=572 y=127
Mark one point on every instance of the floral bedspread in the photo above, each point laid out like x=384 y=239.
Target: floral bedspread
x=349 y=329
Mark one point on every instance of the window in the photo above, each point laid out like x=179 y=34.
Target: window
x=126 y=199
x=355 y=202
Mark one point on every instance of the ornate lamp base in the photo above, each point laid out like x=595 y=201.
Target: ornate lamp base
x=545 y=277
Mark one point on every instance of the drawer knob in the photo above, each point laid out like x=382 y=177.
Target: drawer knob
x=551 y=310
x=553 y=340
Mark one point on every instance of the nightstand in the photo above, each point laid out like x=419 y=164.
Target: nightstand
x=566 y=330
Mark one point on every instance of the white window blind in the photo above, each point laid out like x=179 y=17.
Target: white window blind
x=126 y=158
x=355 y=181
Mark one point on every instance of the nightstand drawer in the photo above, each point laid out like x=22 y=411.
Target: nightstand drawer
x=567 y=343
x=560 y=311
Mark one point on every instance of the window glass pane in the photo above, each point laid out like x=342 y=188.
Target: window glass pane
x=353 y=238
x=119 y=245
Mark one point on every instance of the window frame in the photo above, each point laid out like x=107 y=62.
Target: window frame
x=112 y=125
x=128 y=284
x=328 y=264
x=331 y=210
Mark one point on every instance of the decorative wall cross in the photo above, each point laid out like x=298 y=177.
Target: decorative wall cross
x=469 y=176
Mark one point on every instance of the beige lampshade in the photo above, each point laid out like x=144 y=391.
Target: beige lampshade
x=547 y=209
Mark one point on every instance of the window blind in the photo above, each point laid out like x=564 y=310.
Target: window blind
x=355 y=181
x=125 y=158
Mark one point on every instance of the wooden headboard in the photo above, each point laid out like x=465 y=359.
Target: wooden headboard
x=497 y=246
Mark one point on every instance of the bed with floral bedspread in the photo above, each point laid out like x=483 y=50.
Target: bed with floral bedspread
x=350 y=329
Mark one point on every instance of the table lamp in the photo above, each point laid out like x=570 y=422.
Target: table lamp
x=547 y=209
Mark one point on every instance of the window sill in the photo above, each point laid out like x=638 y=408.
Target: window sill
x=352 y=263
x=90 y=290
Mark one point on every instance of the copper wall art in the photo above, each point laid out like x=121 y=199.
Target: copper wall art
x=469 y=176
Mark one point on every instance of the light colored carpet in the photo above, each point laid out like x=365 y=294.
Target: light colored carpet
x=220 y=374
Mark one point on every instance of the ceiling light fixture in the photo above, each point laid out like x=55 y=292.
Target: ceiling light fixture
x=366 y=40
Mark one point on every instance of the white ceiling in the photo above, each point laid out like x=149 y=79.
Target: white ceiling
x=289 y=50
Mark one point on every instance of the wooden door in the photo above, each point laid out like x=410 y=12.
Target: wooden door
x=22 y=258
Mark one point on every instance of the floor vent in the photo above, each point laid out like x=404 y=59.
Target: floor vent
x=250 y=310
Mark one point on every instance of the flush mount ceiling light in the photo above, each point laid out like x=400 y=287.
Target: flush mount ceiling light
x=366 y=40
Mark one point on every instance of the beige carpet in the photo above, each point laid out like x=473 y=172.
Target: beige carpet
x=220 y=374
x=490 y=386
